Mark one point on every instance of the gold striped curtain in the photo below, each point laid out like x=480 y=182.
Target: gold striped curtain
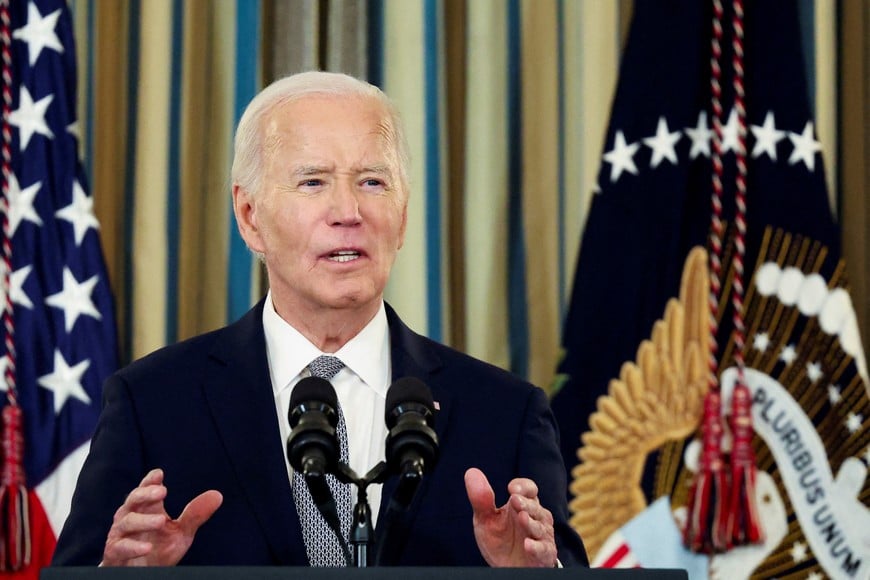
x=505 y=103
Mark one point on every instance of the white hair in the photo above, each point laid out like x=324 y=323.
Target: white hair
x=248 y=155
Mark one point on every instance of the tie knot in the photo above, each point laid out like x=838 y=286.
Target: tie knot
x=325 y=367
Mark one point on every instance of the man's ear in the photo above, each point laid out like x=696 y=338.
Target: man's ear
x=246 y=218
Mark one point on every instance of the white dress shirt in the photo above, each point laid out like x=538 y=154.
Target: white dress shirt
x=361 y=386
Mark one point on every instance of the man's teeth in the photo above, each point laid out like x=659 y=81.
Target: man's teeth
x=344 y=256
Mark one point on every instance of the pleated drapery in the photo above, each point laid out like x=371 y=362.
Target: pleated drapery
x=505 y=103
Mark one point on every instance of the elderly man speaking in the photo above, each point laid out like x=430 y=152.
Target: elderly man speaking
x=188 y=462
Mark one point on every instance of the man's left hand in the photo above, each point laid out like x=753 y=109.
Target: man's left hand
x=518 y=534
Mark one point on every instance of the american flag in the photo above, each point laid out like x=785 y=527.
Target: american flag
x=62 y=325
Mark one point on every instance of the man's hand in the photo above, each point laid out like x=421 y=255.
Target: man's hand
x=518 y=534
x=143 y=534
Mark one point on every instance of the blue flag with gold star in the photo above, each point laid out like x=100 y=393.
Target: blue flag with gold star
x=636 y=338
x=63 y=329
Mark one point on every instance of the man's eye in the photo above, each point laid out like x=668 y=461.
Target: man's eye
x=312 y=183
x=372 y=182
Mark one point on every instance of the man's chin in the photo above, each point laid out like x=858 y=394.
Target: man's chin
x=353 y=300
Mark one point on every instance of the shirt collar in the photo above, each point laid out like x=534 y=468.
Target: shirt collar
x=367 y=354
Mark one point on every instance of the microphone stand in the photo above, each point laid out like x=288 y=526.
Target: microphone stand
x=362 y=534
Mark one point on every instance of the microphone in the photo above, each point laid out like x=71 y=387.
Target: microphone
x=412 y=451
x=312 y=446
x=412 y=445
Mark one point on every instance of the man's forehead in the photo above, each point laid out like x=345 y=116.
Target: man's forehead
x=304 y=120
x=326 y=107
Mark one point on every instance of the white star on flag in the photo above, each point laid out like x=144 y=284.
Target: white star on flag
x=805 y=147
x=662 y=144
x=700 y=137
x=39 y=32
x=798 y=552
x=80 y=213
x=814 y=371
x=75 y=299
x=766 y=137
x=788 y=354
x=65 y=381
x=761 y=341
x=21 y=204
x=16 y=287
x=621 y=157
x=853 y=422
x=75 y=130
x=834 y=395
x=29 y=117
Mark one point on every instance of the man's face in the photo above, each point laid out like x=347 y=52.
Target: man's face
x=331 y=213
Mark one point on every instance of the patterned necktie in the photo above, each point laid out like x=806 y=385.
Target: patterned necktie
x=321 y=545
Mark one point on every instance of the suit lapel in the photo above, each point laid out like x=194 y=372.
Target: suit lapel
x=240 y=397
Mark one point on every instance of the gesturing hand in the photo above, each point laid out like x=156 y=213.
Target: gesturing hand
x=143 y=534
x=518 y=534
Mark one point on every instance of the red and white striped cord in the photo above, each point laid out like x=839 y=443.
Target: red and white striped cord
x=716 y=227
x=740 y=195
x=705 y=531
x=6 y=147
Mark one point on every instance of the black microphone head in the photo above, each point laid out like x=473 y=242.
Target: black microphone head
x=313 y=393
x=410 y=416
x=405 y=391
x=312 y=446
x=313 y=389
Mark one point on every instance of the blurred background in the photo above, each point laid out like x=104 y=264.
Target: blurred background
x=506 y=104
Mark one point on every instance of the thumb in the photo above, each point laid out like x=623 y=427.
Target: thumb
x=479 y=491
x=199 y=510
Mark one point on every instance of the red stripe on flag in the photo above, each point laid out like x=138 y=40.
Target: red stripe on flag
x=613 y=560
x=43 y=541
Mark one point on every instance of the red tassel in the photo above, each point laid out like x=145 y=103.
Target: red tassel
x=14 y=514
x=703 y=531
x=743 y=523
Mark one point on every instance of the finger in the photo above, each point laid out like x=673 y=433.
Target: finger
x=533 y=507
x=524 y=487
x=527 y=526
x=148 y=498
x=124 y=549
x=136 y=523
x=540 y=553
x=199 y=510
x=153 y=477
x=480 y=493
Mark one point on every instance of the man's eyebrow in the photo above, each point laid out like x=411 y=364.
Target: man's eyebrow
x=305 y=170
x=381 y=169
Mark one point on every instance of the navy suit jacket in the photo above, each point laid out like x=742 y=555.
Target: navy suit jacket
x=203 y=411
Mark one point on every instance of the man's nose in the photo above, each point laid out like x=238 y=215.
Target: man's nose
x=344 y=209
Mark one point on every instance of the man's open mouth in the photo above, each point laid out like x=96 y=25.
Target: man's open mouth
x=344 y=256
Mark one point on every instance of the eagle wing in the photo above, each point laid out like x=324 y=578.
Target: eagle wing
x=656 y=399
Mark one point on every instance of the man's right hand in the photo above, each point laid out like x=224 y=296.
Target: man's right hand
x=143 y=534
